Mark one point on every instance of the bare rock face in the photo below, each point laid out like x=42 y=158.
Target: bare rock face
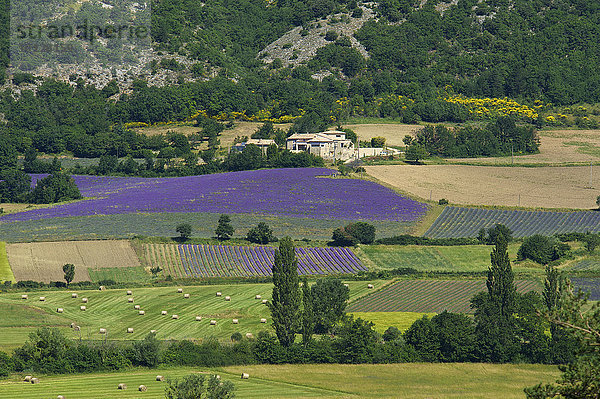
x=294 y=47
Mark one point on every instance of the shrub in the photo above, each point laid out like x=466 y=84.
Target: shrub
x=261 y=234
x=443 y=201
x=542 y=249
x=353 y=234
x=184 y=230
x=331 y=36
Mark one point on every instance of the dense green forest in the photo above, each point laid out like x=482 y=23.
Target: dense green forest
x=424 y=62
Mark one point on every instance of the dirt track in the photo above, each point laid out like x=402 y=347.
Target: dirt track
x=43 y=261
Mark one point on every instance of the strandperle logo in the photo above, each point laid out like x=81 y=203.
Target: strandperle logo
x=49 y=33
x=85 y=31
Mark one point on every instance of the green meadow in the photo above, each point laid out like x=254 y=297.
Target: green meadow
x=414 y=380
x=111 y=310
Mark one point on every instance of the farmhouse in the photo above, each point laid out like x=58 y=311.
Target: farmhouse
x=328 y=145
x=263 y=144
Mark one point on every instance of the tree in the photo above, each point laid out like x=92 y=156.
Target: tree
x=329 y=297
x=541 y=249
x=354 y=233
x=69 y=270
x=195 y=386
x=582 y=322
x=224 y=229
x=57 y=187
x=146 y=351
x=598 y=201
x=378 y=142
x=415 y=153
x=8 y=154
x=261 y=234
x=184 y=230
x=591 y=241
x=495 y=232
x=15 y=185
x=308 y=317
x=355 y=341
x=285 y=302
x=496 y=327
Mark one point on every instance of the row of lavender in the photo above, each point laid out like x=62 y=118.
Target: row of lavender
x=303 y=192
x=243 y=261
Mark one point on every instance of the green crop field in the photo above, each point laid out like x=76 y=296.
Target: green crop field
x=461 y=258
x=384 y=320
x=163 y=225
x=6 y=273
x=110 y=309
x=414 y=380
x=135 y=274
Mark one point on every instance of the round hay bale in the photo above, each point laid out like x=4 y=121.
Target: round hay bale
x=160 y=378
x=141 y=313
x=24 y=296
x=73 y=295
x=102 y=288
x=245 y=376
x=129 y=292
x=198 y=318
x=213 y=322
x=186 y=295
x=83 y=308
x=346 y=285
x=164 y=313
x=103 y=331
x=73 y=325
x=175 y=317
x=257 y=297
x=60 y=397
x=228 y=298
x=27 y=378
x=130 y=300
x=136 y=307
x=264 y=301
x=42 y=298
x=35 y=380
x=59 y=310
x=153 y=331
x=130 y=330
x=84 y=300
x=263 y=320
x=142 y=388
x=236 y=321
x=370 y=286
x=179 y=290
x=249 y=336
x=122 y=386
x=219 y=294
x=76 y=328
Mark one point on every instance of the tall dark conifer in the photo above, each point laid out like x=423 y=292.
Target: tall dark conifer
x=285 y=303
x=500 y=282
x=308 y=316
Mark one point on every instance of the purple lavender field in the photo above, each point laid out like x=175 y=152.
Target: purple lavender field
x=285 y=192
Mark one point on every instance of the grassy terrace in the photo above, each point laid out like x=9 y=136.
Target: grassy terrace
x=416 y=380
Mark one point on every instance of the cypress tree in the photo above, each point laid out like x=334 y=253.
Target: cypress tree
x=500 y=282
x=285 y=303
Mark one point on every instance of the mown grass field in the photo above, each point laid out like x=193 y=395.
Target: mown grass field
x=110 y=309
x=383 y=320
x=163 y=225
x=6 y=273
x=415 y=380
x=461 y=258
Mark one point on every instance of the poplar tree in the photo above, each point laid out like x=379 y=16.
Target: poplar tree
x=285 y=302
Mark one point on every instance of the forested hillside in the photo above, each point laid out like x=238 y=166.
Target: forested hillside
x=426 y=61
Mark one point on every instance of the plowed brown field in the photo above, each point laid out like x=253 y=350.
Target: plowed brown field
x=43 y=261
